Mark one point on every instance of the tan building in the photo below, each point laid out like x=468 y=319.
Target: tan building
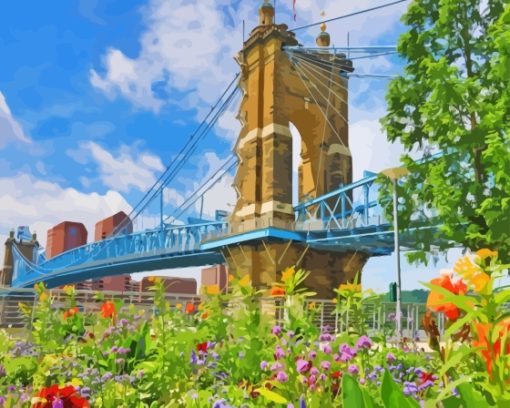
x=183 y=286
x=215 y=275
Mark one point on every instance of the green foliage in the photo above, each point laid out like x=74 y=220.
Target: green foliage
x=240 y=349
x=454 y=97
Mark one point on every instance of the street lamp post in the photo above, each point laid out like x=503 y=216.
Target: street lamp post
x=394 y=174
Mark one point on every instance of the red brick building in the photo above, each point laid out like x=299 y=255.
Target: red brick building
x=215 y=275
x=65 y=236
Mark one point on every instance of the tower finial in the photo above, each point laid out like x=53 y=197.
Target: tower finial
x=323 y=39
x=266 y=13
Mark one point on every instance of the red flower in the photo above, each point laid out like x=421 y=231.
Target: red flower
x=277 y=291
x=71 y=312
x=202 y=347
x=49 y=397
x=190 y=308
x=108 y=309
x=336 y=374
x=436 y=302
x=427 y=377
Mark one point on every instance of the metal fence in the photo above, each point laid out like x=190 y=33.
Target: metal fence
x=379 y=317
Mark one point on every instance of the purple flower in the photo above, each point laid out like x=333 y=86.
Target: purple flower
x=276 y=366
x=114 y=349
x=314 y=371
x=107 y=376
x=325 y=365
x=282 y=377
x=291 y=334
x=362 y=381
x=123 y=350
x=3 y=372
x=279 y=353
x=119 y=361
x=277 y=330
x=390 y=357
x=353 y=369
x=57 y=403
x=346 y=353
x=11 y=388
x=302 y=403
x=325 y=337
x=312 y=379
x=302 y=366
x=364 y=342
x=326 y=348
x=290 y=405
x=263 y=365
x=85 y=392
x=312 y=355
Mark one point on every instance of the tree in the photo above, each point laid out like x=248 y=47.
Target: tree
x=454 y=97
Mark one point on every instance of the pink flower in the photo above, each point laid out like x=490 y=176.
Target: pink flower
x=282 y=377
x=325 y=365
x=303 y=366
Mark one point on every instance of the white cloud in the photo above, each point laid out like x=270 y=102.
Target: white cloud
x=128 y=169
x=187 y=46
x=10 y=130
x=26 y=200
x=221 y=196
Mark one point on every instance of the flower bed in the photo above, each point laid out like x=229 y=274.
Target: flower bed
x=228 y=353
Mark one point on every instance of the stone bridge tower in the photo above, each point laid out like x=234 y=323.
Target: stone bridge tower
x=276 y=94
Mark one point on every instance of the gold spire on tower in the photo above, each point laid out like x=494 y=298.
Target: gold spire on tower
x=323 y=39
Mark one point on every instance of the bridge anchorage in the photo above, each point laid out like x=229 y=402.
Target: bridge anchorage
x=337 y=225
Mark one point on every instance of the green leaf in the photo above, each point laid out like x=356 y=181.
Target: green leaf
x=470 y=397
x=452 y=402
x=392 y=396
x=271 y=396
x=351 y=393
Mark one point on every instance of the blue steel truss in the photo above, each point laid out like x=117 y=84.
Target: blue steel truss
x=347 y=219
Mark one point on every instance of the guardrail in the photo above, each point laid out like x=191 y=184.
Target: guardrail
x=379 y=317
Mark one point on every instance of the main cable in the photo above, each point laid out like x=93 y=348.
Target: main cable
x=356 y=13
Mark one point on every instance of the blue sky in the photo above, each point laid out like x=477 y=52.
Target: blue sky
x=96 y=97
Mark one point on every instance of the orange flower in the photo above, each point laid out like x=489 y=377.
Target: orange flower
x=108 y=309
x=486 y=253
x=489 y=352
x=288 y=274
x=71 y=312
x=205 y=315
x=277 y=291
x=230 y=277
x=436 y=302
x=213 y=289
x=471 y=273
x=190 y=308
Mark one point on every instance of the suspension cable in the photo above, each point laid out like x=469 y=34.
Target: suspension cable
x=349 y=15
x=229 y=162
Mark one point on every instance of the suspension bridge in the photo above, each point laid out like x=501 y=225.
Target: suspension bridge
x=338 y=223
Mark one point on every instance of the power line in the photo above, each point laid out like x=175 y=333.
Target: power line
x=350 y=15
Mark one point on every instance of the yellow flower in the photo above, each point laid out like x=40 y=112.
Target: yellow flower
x=76 y=382
x=68 y=290
x=311 y=306
x=334 y=300
x=351 y=287
x=43 y=296
x=178 y=306
x=151 y=279
x=288 y=274
x=213 y=289
x=471 y=273
x=245 y=281
x=230 y=277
